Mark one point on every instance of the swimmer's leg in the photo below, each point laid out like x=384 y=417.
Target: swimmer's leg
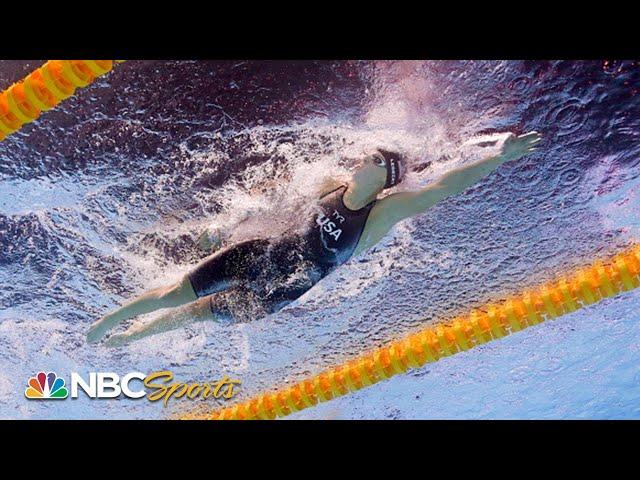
x=216 y=273
x=199 y=310
x=212 y=307
x=164 y=297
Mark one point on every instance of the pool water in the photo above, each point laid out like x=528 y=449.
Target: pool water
x=105 y=196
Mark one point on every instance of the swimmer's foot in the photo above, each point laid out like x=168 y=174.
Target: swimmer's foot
x=119 y=340
x=99 y=329
x=164 y=297
x=199 y=310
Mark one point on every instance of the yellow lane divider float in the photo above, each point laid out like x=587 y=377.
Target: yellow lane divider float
x=569 y=293
x=45 y=88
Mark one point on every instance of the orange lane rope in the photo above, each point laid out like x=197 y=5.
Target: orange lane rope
x=45 y=88
x=565 y=295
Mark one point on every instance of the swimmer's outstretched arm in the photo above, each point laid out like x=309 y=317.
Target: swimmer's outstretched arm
x=407 y=204
x=396 y=207
x=196 y=311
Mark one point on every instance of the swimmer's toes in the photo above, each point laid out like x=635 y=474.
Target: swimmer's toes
x=117 y=340
x=93 y=336
x=96 y=332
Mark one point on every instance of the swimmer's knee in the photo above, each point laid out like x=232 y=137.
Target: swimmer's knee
x=201 y=309
x=167 y=296
x=178 y=293
x=186 y=288
x=209 y=309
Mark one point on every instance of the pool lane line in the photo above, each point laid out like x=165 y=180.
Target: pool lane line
x=568 y=293
x=44 y=88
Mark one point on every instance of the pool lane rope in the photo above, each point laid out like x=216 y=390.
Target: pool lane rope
x=567 y=294
x=45 y=88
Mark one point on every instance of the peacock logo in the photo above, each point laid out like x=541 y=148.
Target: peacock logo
x=46 y=386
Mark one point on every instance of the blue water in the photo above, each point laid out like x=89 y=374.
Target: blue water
x=582 y=366
x=104 y=197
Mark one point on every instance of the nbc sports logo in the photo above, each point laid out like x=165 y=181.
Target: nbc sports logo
x=46 y=386
x=160 y=385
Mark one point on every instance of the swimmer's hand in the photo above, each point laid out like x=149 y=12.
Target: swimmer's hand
x=515 y=147
x=398 y=206
x=210 y=240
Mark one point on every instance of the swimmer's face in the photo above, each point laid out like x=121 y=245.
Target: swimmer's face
x=371 y=175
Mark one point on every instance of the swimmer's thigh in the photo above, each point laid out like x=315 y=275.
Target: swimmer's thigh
x=227 y=268
x=236 y=305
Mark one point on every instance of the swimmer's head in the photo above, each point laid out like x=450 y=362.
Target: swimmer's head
x=381 y=170
x=394 y=167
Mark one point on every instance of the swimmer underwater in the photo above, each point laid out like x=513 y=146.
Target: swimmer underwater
x=254 y=278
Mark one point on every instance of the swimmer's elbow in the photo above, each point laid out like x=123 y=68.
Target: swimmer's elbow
x=428 y=197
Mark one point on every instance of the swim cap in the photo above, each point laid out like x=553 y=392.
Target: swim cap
x=392 y=162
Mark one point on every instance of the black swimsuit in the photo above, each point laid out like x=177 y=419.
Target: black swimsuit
x=257 y=277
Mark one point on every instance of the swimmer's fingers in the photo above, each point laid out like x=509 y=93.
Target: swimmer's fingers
x=516 y=147
x=530 y=139
x=534 y=144
x=531 y=135
x=533 y=147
